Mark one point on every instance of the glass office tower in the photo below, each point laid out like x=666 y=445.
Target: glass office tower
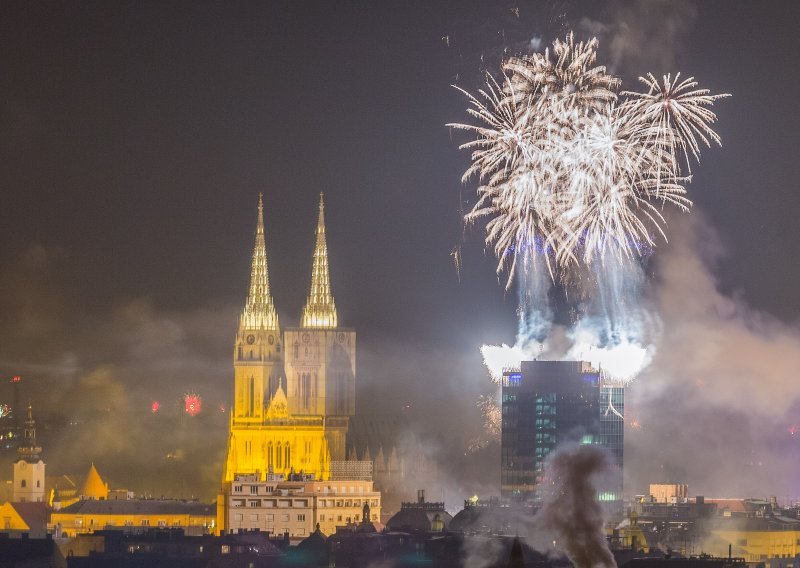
x=548 y=403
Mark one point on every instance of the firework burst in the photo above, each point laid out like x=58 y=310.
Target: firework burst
x=574 y=171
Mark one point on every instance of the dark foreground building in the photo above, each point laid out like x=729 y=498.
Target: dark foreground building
x=549 y=403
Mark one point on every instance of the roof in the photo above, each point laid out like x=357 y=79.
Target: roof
x=417 y=518
x=371 y=432
x=733 y=505
x=139 y=507
x=93 y=486
x=34 y=514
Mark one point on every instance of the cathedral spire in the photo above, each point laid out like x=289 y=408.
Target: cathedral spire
x=320 y=310
x=259 y=312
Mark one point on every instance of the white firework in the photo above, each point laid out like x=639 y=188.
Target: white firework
x=571 y=170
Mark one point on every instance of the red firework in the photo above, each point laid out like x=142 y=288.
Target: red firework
x=155 y=406
x=192 y=403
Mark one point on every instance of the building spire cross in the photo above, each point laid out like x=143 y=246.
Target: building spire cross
x=320 y=309
x=259 y=311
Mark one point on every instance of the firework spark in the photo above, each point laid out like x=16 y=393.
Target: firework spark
x=492 y=423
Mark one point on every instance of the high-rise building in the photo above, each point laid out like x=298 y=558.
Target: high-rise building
x=549 y=403
x=294 y=390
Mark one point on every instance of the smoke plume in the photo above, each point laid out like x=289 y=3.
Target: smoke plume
x=571 y=509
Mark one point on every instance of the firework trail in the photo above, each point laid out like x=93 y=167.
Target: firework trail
x=573 y=178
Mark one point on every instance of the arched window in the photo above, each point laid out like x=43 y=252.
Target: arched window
x=279 y=457
x=269 y=455
x=23 y=483
x=288 y=455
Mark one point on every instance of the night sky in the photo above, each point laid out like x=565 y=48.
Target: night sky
x=135 y=138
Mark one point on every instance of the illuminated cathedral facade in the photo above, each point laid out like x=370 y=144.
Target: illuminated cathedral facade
x=293 y=388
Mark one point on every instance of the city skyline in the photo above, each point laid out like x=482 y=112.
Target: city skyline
x=139 y=138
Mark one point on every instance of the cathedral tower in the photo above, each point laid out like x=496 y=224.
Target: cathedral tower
x=320 y=360
x=257 y=357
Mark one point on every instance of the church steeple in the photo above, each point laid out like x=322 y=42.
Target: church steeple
x=259 y=311
x=29 y=450
x=320 y=310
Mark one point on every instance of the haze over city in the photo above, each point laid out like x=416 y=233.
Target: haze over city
x=137 y=140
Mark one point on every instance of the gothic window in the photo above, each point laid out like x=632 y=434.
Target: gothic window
x=296 y=351
x=269 y=454
x=252 y=396
x=279 y=457
x=38 y=483
x=288 y=455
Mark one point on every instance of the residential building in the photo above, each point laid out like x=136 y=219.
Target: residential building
x=298 y=505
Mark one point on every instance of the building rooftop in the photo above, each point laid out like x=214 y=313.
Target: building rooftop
x=140 y=507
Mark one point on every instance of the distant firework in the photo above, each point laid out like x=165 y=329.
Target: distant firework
x=192 y=404
x=155 y=406
x=221 y=407
x=4 y=410
x=16 y=379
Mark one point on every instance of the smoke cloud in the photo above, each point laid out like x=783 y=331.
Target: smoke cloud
x=570 y=508
x=642 y=35
x=718 y=408
x=92 y=375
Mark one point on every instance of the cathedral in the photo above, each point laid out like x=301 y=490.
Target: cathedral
x=294 y=388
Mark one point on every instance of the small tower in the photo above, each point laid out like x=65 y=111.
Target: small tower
x=29 y=468
x=93 y=486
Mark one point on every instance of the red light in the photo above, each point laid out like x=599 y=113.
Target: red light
x=155 y=406
x=16 y=379
x=192 y=404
